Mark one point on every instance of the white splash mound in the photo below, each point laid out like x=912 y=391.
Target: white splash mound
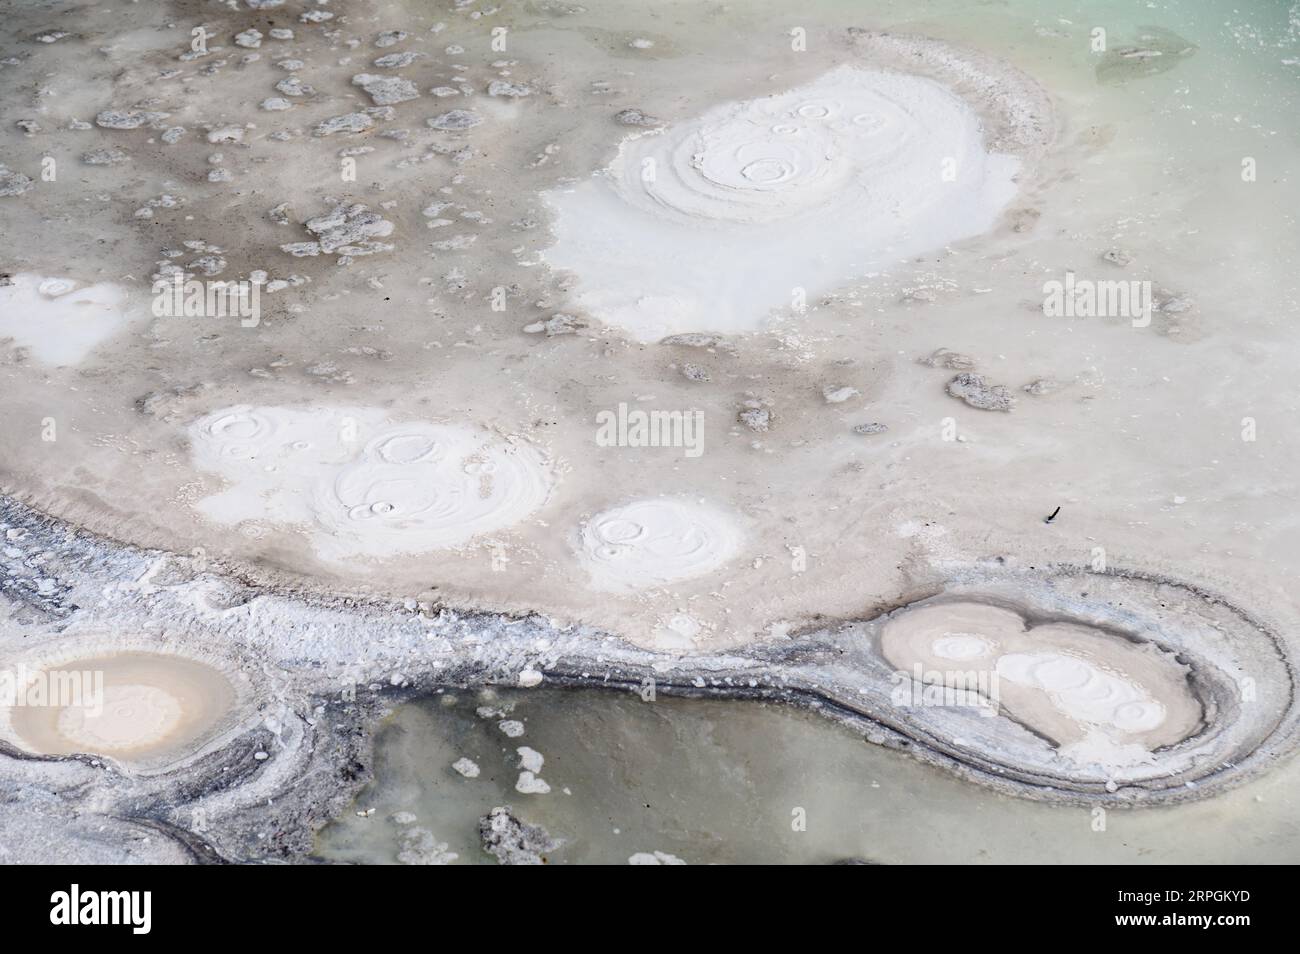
x=58 y=319
x=656 y=541
x=136 y=707
x=712 y=224
x=364 y=485
x=1101 y=699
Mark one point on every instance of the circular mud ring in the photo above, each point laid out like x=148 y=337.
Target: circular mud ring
x=1080 y=685
x=906 y=146
x=656 y=541
x=147 y=709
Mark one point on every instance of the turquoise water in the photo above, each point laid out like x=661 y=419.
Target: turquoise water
x=715 y=782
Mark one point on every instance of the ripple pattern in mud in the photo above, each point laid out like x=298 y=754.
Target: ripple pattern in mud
x=130 y=716
x=656 y=541
x=1099 y=697
x=366 y=486
x=805 y=189
x=141 y=708
x=873 y=140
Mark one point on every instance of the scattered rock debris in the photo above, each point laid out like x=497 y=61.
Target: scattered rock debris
x=978 y=393
x=952 y=360
x=511 y=841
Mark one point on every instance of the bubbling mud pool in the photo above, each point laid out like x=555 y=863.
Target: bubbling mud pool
x=361 y=484
x=648 y=543
x=713 y=223
x=1098 y=697
x=710 y=782
x=59 y=320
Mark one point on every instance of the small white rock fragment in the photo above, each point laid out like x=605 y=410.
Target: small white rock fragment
x=13 y=183
x=226 y=134
x=292 y=86
x=104 y=157
x=512 y=90
x=129 y=119
x=386 y=90
x=455 y=119
x=395 y=61
x=466 y=767
x=838 y=394
x=654 y=858
x=351 y=123
x=557 y=324
x=530 y=759
x=530 y=784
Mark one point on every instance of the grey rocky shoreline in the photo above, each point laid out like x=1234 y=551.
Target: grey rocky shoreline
x=315 y=675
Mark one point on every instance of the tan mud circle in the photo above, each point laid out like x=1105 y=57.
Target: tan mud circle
x=1099 y=697
x=140 y=707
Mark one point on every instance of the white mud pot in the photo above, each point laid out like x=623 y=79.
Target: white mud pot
x=1079 y=684
x=1099 y=697
x=362 y=485
x=654 y=542
x=59 y=320
x=757 y=206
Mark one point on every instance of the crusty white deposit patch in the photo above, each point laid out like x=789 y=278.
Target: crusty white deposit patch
x=60 y=320
x=661 y=540
x=1102 y=699
x=362 y=484
x=130 y=706
x=758 y=205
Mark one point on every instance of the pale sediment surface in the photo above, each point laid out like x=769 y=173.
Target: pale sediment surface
x=407 y=292
x=465 y=254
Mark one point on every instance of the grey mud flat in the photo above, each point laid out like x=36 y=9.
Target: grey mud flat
x=316 y=674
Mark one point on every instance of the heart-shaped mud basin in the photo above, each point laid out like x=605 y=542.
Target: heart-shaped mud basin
x=1100 y=698
x=141 y=709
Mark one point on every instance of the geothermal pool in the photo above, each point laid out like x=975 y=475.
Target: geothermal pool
x=710 y=782
x=360 y=360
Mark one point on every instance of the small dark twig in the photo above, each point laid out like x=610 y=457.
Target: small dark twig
x=1053 y=515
